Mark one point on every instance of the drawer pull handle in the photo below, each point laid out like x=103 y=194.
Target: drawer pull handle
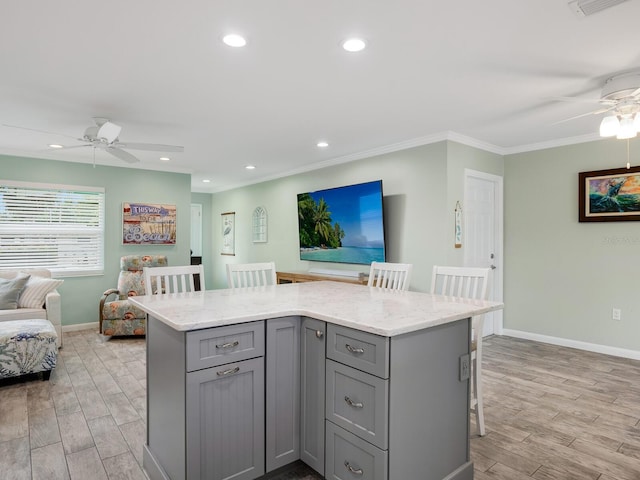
x=228 y=372
x=356 y=350
x=319 y=333
x=228 y=345
x=355 y=471
x=353 y=404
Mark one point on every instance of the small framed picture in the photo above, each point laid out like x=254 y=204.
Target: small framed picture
x=609 y=195
x=228 y=233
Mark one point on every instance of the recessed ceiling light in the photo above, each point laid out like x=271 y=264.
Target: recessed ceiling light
x=234 y=40
x=165 y=159
x=206 y=180
x=322 y=144
x=250 y=167
x=55 y=145
x=354 y=44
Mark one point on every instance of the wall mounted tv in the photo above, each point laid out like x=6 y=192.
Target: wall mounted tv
x=343 y=225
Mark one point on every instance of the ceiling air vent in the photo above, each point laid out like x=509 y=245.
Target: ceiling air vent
x=584 y=8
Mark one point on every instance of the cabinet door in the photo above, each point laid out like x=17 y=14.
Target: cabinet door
x=225 y=422
x=313 y=341
x=283 y=392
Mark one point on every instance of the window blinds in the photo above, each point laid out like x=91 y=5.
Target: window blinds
x=58 y=227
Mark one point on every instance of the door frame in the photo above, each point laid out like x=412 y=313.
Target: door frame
x=196 y=230
x=498 y=273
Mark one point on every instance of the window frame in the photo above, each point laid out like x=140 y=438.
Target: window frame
x=60 y=265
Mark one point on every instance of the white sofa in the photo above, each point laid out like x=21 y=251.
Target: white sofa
x=51 y=310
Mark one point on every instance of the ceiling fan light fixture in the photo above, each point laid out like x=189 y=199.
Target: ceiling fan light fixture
x=609 y=126
x=109 y=132
x=234 y=40
x=354 y=45
x=627 y=128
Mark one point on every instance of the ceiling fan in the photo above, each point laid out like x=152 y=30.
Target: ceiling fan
x=104 y=135
x=620 y=97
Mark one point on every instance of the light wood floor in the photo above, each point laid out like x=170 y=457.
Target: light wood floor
x=557 y=413
x=551 y=413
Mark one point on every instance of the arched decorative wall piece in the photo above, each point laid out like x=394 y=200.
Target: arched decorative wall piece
x=259 y=225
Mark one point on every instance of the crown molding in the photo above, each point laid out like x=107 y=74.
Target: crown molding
x=475 y=143
x=562 y=142
x=418 y=142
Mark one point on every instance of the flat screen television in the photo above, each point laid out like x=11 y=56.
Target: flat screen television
x=343 y=224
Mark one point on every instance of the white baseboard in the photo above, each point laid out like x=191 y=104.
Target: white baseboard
x=565 y=342
x=81 y=326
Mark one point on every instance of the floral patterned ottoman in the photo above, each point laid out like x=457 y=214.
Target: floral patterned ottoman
x=27 y=346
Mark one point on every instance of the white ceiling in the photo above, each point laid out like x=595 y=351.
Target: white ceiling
x=484 y=71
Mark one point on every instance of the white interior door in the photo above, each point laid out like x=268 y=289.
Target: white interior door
x=196 y=230
x=482 y=234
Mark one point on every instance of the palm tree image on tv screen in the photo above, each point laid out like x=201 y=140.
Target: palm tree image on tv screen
x=343 y=225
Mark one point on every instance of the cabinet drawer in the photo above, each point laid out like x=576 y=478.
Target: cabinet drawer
x=357 y=402
x=216 y=346
x=349 y=457
x=361 y=350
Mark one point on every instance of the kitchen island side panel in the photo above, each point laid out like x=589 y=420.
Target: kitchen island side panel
x=166 y=367
x=429 y=404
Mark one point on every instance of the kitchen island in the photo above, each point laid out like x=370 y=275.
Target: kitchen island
x=357 y=382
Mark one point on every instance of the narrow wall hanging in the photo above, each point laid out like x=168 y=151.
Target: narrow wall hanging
x=228 y=233
x=458 y=226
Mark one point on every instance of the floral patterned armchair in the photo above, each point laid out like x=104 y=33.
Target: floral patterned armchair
x=119 y=316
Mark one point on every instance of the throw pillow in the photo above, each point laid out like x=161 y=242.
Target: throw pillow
x=10 y=290
x=36 y=290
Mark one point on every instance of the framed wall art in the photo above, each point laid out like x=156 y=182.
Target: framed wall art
x=228 y=233
x=609 y=195
x=148 y=224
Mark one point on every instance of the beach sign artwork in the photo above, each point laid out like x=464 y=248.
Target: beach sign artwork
x=148 y=224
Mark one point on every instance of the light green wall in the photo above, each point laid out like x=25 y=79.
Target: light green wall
x=80 y=295
x=418 y=220
x=459 y=158
x=562 y=277
x=205 y=199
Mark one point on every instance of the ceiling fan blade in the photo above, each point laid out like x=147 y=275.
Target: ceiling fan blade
x=65 y=147
x=151 y=147
x=37 y=130
x=121 y=154
x=595 y=112
x=582 y=100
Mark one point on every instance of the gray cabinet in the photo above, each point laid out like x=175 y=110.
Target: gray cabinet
x=349 y=457
x=349 y=404
x=312 y=378
x=205 y=402
x=358 y=402
x=282 y=392
x=397 y=407
x=225 y=421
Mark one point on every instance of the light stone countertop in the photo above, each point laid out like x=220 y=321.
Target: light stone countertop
x=383 y=312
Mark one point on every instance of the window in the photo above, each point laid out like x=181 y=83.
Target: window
x=58 y=227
